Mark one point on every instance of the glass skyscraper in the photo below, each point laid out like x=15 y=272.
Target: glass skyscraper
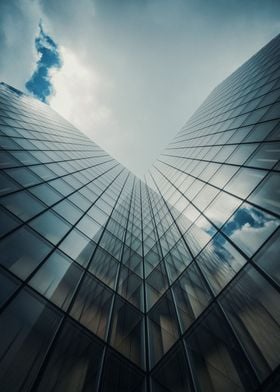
x=110 y=283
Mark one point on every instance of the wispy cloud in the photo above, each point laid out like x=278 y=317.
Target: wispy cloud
x=249 y=227
x=76 y=95
x=49 y=58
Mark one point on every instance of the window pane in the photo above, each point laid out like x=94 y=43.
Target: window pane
x=68 y=211
x=163 y=328
x=127 y=334
x=156 y=285
x=8 y=285
x=268 y=257
x=92 y=305
x=252 y=305
x=222 y=208
x=131 y=287
x=27 y=327
x=7 y=222
x=98 y=215
x=24 y=176
x=29 y=252
x=132 y=260
x=74 y=363
x=7 y=184
x=177 y=260
x=121 y=375
x=104 y=266
x=222 y=176
x=219 y=262
x=111 y=244
x=46 y=194
x=51 y=226
x=191 y=296
x=267 y=194
x=78 y=247
x=6 y=159
x=172 y=374
x=245 y=181
x=249 y=227
x=90 y=228
x=57 y=279
x=217 y=362
x=199 y=234
x=242 y=153
x=265 y=156
x=23 y=205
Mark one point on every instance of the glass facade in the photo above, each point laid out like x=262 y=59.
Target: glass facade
x=111 y=283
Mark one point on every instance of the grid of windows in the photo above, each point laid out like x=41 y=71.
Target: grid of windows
x=110 y=283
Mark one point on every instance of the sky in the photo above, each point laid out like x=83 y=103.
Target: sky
x=129 y=73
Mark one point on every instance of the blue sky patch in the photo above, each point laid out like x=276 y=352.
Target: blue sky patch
x=39 y=84
x=246 y=216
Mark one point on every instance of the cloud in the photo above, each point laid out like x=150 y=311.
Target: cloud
x=249 y=228
x=18 y=27
x=246 y=216
x=39 y=84
x=76 y=90
x=249 y=238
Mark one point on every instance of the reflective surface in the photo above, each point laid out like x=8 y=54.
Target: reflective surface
x=110 y=283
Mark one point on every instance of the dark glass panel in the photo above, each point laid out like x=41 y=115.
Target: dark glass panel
x=104 y=266
x=177 y=260
x=68 y=211
x=111 y=244
x=6 y=160
x=74 y=363
x=242 y=153
x=156 y=285
x=27 y=327
x=219 y=262
x=127 y=332
x=8 y=285
x=252 y=306
x=172 y=373
x=57 y=279
x=29 y=252
x=217 y=362
x=46 y=193
x=267 y=194
x=51 y=226
x=268 y=257
x=92 y=306
x=78 y=247
x=133 y=261
x=131 y=287
x=23 y=205
x=191 y=296
x=121 y=376
x=24 y=176
x=7 y=222
x=90 y=228
x=163 y=328
x=266 y=156
x=7 y=184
